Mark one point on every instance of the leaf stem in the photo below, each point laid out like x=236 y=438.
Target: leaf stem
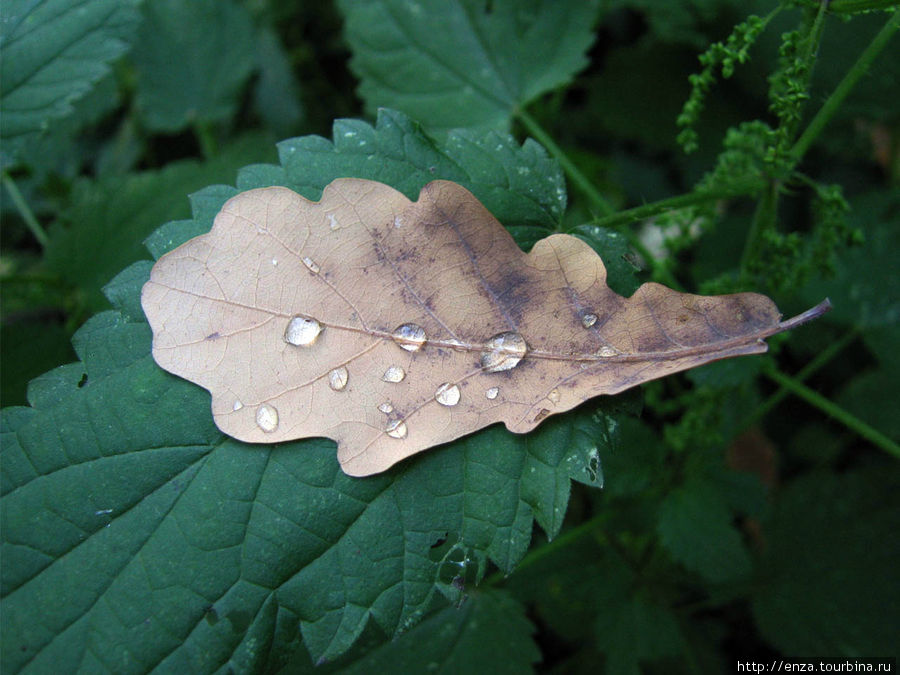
x=834 y=101
x=25 y=211
x=206 y=138
x=572 y=171
x=835 y=411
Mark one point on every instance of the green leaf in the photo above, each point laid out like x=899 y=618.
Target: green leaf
x=695 y=526
x=632 y=631
x=277 y=94
x=465 y=63
x=108 y=220
x=829 y=566
x=192 y=61
x=53 y=53
x=191 y=549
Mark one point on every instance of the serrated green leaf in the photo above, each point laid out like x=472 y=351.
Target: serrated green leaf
x=192 y=549
x=829 y=566
x=108 y=219
x=695 y=526
x=632 y=631
x=192 y=61
x=465 y=63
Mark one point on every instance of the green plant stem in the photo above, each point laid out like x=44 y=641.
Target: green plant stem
x=834 y=101
x=834 y=411
x=572 y=171
x=206 y=138
x=25 y=211
x=738 y=189
x=763 y=220
x=811 y=368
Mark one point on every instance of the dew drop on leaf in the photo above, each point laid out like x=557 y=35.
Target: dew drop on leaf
x=337 y=378
x=302 y=331
x=237 y=406
x=503 y=352
x=386 y=407
x=492 y=393
x=311 y=265
x=410 y=336
x=554 y=396
x=607 y=351
x=588 y=320
x=397 y=429
x=447 y=394
x=394 y=374
x=267 y=418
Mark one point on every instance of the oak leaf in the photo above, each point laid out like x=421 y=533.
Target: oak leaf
x=392 y=326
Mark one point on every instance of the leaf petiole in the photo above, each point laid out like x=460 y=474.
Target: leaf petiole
x=25 y=211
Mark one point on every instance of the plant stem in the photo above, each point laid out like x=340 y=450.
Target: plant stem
x=805 y=373
x=764 y=219
x=834 y=101
x=206 y=138
x=572 y=171
x=25 y=211
x=835 y=411
x=628 y=216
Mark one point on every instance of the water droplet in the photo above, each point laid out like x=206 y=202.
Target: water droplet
x=447 y=394
x=237 y=406
x=332 y=222
x=394 y=374
x=607 y=351
x=311 y=265
x=588 y=320
x=492 y=393
x=386 y=407
x=396 y=429
x=410 y=336
x=398 y=221
x=503 y=352
x=337 y=378
x=275 y=262
x=554 y=396
x=267 y=418
x=302 y=331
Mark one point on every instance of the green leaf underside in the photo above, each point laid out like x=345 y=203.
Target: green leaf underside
x=465 y=63
x=129 y=521
x=53 y=53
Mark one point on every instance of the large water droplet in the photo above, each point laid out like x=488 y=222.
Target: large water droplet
x=311 y=265
x=503 y=352
x=302 y=331
x=492 y=393
x=386 y=407
x=267 y=418
x=410 y=336
x=337 y=378
x=607 y=351
x=394 y=374
x=397 y=429
x=447 y=394
x=588 y=320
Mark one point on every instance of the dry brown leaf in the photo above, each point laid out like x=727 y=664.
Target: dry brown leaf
x=392 y=326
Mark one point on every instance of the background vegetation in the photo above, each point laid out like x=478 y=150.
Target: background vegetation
x=750 y=508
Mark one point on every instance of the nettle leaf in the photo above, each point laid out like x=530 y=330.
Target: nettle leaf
x=189 y=549
x=54 y=51
x=455 y=63
x=184 y=76
x=393 y=326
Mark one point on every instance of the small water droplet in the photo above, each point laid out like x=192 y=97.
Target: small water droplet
x=302 y=331
x=447 y=394
x=492 y=393
x=386 y=407
x=410 y=336
x=503 y=352
x=396 y=429
x=398 y=221
x=311 y=265
x=275 y=261
x=554 y=396
x=607 y=351
x=237 y=406
x=337 y=378
x=332 y=222
x=394 y=374
x=267 y=418
x=588 y=320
